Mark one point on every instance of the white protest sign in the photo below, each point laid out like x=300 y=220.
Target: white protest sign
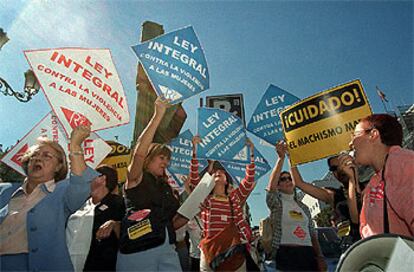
x=191 y=205
x=94 y=147
x=81 y=85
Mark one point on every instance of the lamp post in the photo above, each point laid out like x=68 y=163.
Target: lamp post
x=31 y=86
x=3 y=38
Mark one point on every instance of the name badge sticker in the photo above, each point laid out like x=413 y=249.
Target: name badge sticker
x=140 y=229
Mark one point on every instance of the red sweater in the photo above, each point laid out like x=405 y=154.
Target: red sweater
x=217 y=213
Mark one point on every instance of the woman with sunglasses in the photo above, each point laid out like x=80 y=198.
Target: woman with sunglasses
x=293 y=231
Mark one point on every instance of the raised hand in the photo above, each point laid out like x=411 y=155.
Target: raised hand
x=161 y=105
x=281 y=149
x=196 y=140
x=346 y=165
x=250 y=144
x=210 y=167
x=79 y=134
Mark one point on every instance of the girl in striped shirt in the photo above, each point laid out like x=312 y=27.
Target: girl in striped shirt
x=225 y=230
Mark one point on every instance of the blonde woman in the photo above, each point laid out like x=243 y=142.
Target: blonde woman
x=147 y=235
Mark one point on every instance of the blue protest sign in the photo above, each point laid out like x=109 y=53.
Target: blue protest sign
x=181 y=152
x=265 y=122
x=175 y=64
x=223 y=137
x=238 y=170
x=178 y=180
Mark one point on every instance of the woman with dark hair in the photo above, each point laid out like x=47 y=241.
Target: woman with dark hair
x=293 y=232
x=33 y=215
x=92 y=232
x=147 y=235
x=225 y=230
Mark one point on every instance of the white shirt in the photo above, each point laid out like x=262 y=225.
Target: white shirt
x=194 y=231
x=79 y=234
x=295 y=224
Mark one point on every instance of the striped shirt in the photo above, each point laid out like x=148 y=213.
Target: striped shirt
x=217 y=213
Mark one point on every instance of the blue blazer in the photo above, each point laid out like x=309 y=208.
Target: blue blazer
x=46 y=221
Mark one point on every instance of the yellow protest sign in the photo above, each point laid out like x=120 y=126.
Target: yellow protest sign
x=119 y=159
x=321 y=125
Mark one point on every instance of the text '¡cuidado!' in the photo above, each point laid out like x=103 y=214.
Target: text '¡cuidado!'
x=323 y=106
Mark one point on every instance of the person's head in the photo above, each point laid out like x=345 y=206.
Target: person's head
x=157 y=159
x=110 y=175
x=285 y=184
x=333 y=163
x=221 y=177
x=373 y=133
x=332 y=220
x=45 y=161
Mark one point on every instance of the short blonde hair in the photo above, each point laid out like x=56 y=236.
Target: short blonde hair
x=154 y=150
x=43 y=141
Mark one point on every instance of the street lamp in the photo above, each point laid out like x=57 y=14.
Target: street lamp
x=31 y=86
x=3 y=38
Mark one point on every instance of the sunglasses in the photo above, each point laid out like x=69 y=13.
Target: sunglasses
x=333 y=168
x=283 y=179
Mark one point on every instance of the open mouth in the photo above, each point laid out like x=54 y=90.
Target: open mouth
x=37 y=167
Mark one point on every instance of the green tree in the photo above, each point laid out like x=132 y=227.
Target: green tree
x=7 y=174
x=323 y=218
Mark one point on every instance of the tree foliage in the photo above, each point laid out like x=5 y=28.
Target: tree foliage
x=7 y=174
x=323 y=218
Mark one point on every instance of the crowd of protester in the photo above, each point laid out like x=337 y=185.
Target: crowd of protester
x=84 y=223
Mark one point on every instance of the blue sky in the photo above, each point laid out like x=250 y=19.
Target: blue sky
x=301 y=46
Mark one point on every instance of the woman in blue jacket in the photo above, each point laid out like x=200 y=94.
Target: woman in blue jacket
x=33 y=215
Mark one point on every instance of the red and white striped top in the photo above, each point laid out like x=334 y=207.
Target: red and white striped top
x=216 y=214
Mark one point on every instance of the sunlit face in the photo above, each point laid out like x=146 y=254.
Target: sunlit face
x=285 y=184
x=43 y=164
x=158 y=165
x=219 y=177
x=361 y=143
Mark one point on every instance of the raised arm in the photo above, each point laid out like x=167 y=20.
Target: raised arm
x=274 y=176
x=136 y=167
x=194 y=176
x=248 y=183
x=347 y=166
x=76 y=156
x=81 y=175
x=322 y=194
